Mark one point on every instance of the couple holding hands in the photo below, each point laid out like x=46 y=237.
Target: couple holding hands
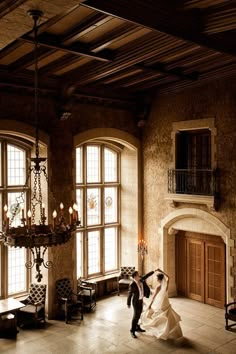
x=158 y=318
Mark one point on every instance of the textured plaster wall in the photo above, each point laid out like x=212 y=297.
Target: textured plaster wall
x=214 y=100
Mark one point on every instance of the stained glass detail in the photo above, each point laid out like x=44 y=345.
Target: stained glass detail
x=93 y=206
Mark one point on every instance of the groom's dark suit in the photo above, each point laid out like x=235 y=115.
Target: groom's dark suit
x=136 y=302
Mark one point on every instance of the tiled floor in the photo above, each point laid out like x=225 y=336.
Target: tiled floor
x=107 y=331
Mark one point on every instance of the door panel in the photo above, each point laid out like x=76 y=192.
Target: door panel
x=215 y=274
x=200 y=267
x=195 y=269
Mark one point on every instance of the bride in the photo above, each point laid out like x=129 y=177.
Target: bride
x=159 y=319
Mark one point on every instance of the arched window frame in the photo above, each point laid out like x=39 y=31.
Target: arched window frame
x=91 y=238
x=11 y=258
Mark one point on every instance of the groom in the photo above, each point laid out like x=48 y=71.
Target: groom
x=137 y=290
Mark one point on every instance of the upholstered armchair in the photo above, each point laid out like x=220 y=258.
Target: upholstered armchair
x=125 y=277
x=87 y=293
x=34 y=311
x=230 y=314
x=69 y=302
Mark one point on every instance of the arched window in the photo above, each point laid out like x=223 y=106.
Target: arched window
x=14 y=275
x=97 y=195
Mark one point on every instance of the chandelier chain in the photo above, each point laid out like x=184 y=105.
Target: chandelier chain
x=35 y=29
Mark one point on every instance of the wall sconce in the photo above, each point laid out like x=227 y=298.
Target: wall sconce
x=142 y=250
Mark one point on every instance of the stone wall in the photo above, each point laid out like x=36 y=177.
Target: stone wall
x=215 y=100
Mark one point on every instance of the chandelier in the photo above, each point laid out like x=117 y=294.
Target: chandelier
x=37 y=237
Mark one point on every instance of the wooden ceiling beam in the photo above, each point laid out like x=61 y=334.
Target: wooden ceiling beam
x=9 y=5
x=220 y=21
x=59 y=64
x=161 y=68
x=76 y=49
x=107 y=39
x=29 y=59
x=113 y=36
x=187 y=26
x=76 y=32
x=150 y=47
x=221 y=72
x=9 y=49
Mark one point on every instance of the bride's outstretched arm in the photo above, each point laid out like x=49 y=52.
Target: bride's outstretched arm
x=162 y=271
x=154 y=295
x=167 y=276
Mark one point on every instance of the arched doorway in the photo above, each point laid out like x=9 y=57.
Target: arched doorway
x=194 y=221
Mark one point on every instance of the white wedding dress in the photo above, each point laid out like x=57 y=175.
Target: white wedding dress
x=161 y=320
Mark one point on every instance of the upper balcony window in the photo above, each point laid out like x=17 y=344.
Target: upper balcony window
x=193 y=172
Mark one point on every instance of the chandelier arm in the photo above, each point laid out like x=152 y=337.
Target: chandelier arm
x=30 y=264
x=43 y=169
x=46 y=264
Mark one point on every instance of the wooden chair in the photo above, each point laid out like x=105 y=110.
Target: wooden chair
x=125 y=277
x=87 y=293
x=230 y=314
x=69 y=302
x=34 y=311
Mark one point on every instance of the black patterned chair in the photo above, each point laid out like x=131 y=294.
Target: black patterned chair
x=34 y=311
x=230 y=314
x=125 y=277
x=87 y=294
x=69 y=302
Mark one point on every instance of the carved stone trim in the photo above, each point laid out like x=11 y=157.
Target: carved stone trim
x=209 y=201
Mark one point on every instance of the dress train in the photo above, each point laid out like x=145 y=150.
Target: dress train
x=161 y=320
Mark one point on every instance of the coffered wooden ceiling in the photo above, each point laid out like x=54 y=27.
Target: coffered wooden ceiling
x=117 y=50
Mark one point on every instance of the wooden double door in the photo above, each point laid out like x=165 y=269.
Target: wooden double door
x=200 y=267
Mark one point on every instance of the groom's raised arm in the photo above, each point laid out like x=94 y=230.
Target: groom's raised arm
x=144 y=277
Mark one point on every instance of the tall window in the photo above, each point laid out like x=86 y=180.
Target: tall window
x=13 y=165
x=97 y=195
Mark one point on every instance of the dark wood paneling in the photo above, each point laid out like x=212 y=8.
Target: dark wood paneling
x=195 y=269
x=215 y=274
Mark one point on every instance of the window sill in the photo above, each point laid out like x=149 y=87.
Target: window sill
x=209 y=201
x=102 y=278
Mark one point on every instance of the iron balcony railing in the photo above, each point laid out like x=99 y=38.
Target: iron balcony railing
x=195 y=182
